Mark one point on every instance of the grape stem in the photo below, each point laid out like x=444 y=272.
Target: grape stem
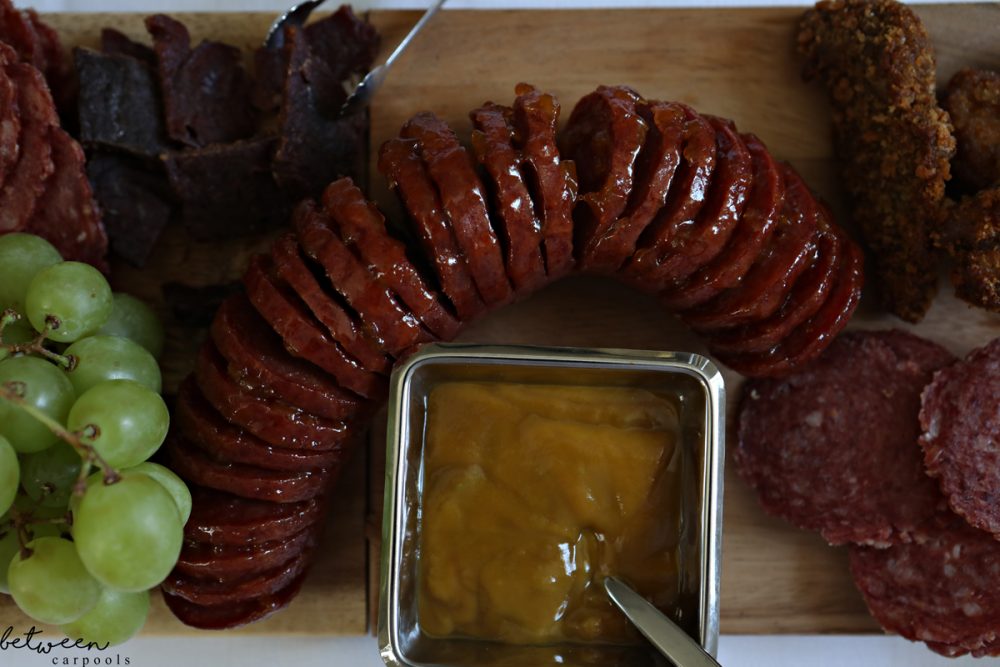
x=37 y=346
x=19 y=522
x=12 y=391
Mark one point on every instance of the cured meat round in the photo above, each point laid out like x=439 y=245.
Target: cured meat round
x=291 y=268
x=205 y=561
x=462 y=198
x=10 y=116
x=302 y=335
x=518 y=221
x=833 y=448
x=752 y=233
x=208 y=431
x=259 y=363
x=395 y=328
x=941 y=590
x=604 y=136
x=401 y=165
x=273 y=421
x=222 y=519
x=231 y=615
x=244 y=480
x=960 y=419
x=362 y=228
x=536 y=117
x=654 y=172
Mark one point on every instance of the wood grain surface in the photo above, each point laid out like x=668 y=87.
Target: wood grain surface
x=734 y=63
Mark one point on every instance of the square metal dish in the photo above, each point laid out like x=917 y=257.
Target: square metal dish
x=698 y=387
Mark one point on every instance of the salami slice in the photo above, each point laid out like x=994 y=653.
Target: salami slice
x=66 y=215
x=960 y=419
x=17 y=31
x=302 y=335
x=207 y=430
x=397 y=330
x=229 y=615
x=205 y=561
x=941 y=590
x=515 y=211
x=603 y=137
x=462 y=198
x=261 y=365
x=752 y=233
x=400 y=163
x=362 y=227
x=26 y=183
x=10 y=116
x=833 y=447
x=654 y=172
x=291 y=267
x=273 y=421
x=552 y=179
x=222 y=519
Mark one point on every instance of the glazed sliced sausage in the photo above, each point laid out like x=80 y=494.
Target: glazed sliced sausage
x=261 y=365
x=206 y=561
x=516 y=215
x=222 y=519
x=552 y=179
x=462 y=199
x=362 y=227
x=231 y=615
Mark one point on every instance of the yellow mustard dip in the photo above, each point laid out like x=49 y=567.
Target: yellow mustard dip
x=532 y=494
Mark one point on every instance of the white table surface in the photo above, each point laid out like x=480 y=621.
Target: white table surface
x=225 y=651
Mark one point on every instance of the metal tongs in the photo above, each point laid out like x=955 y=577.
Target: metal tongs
x=361 y=96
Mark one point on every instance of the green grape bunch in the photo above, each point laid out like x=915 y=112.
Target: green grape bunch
x=87 y=524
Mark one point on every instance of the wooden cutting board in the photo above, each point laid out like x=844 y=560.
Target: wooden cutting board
x=734 y=63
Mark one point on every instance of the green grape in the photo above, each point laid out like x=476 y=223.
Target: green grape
x=48 y=476
x=116 y=618
x=128 y=534
x=132 y=421
x=46 y=388
x=101 y=358
x=174 y=485
x=52 y=585
x=8 y=549
x=74 y=293
x=21 y=257
x=133 y=319
x=10 y=474
x=15 y=334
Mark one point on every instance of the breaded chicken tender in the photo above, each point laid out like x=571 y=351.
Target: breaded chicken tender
x=893 y=140
x=973 y=102
x=973 y=240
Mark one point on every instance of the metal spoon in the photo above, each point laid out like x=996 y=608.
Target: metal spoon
x=365 y=90
x=296 y=16
x=663 y=633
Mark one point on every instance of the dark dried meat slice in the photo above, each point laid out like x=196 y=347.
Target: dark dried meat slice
x=343 y=43
x=960 y=420
x=655 y=170
x=222 y=519
x=224 y=616
x=517 y=221
x=67 y=215
x=206 y=92
x=833 y=448
x=789 y=253
x=226 y=591
x=688 y=193
x=271 y=420
x=26 y=183
x=401 y=165
x=278 y=486
x=362 y=227
x=135 y=203
x=205 y=428
x=119 y=104
x=603 y=137
x=114 y=42
x=463 y=201
x=302 y=334
x=811 y=338
x=941 y=590
x=227 y=189
x=753 y=231
x=10 y=116
x=206 y=561
x=552 y=179
x=290 y=266
x=395 y=328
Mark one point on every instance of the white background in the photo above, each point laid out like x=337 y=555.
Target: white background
x=223 y=651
